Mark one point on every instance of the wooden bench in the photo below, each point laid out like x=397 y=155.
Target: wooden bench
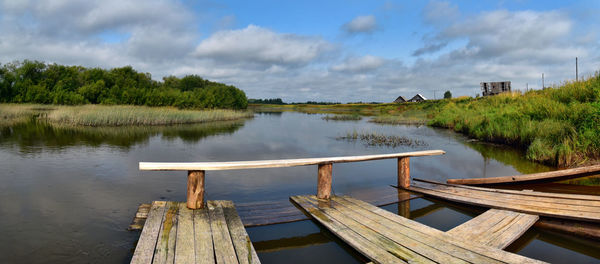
x=175 y=234
x=385 y=237
x=495 y=228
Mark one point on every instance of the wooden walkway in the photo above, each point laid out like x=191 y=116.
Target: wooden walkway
x=282 y=211
x=495 y=228
x=385 y=237
x=565 y=206
x=175 y=234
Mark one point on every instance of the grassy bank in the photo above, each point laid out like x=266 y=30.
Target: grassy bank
x=557 y=126
x=100 y=115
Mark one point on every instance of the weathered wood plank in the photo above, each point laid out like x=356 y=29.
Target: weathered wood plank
x=495 y=228
x=428 y=246
x=551 y=175
x=185 y=251
x=563 y=198
x=421 y=248
x=144 y=251
x=203 y=237
x=236 y=165
x=241 y=241
x=582 y=206
x=545 y=209
x=224 y=250
x=366 y=247
x=165 y=246
x=476 y=248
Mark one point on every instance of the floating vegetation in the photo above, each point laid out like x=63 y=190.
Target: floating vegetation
x=374 y=139
x=342 y=117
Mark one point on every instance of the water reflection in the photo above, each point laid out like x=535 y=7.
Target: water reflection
x=34 y=135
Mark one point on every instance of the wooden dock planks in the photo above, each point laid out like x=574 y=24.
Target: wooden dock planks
x=175 y=234
x=565 y=206
x=388 y=238
x=495 y=228
x=534 y=177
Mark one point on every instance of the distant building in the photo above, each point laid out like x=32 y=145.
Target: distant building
x=400 y=99
x=417 y=98
x=493 y=88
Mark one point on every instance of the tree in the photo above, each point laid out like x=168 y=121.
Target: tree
x=447 y=95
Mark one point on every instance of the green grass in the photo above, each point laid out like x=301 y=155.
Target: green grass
x=119 y=115
x=354 y=117
x=556 y=126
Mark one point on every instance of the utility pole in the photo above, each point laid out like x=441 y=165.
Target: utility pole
x=526 y=87
x=434 y=98
x=543 y=86
x=576 y=70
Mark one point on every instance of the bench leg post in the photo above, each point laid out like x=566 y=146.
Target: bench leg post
x=195 y=189
x=404 y=172
x=324 y=181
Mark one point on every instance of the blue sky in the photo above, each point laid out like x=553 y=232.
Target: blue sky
x=315 y=50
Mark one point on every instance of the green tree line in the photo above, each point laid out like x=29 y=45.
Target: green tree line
x=38 y=82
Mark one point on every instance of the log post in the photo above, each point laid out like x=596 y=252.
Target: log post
x=403 y=172
x=195 y=189
x=324 y=181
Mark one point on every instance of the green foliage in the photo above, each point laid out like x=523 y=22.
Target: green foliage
x=447 y=95
x=37 y=82
x=557 y=126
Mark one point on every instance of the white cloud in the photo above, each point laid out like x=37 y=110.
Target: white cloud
x=254 y=44
x=360 y=64
x=361 y=24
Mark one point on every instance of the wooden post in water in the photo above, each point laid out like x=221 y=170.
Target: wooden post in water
x=324 y=181
x=195 y=189
x=404 y=172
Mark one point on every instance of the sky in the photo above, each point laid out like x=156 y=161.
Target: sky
x=339 y=51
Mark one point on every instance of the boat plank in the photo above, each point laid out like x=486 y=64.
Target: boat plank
x=569 y=199
x=511 y=198
x=551 y=175
x=144 y=251
x=546 y=210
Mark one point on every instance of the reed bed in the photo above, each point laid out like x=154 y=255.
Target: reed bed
x=355 y=117
x=99 y=115
x=11 y=114
x=375 y=139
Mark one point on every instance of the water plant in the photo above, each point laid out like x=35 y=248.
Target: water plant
x=375 y=139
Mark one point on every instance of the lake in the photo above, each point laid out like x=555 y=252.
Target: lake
x=68 y=194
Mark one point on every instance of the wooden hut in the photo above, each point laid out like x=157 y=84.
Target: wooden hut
x=400 y=99
x=418 y=98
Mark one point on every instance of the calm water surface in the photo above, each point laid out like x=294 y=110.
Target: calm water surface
x=68 y=194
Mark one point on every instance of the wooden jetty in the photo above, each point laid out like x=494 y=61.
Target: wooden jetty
x=534 y=177
x=186 y=224
x=175 y=234
x=555 y=205
x=385 y=237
